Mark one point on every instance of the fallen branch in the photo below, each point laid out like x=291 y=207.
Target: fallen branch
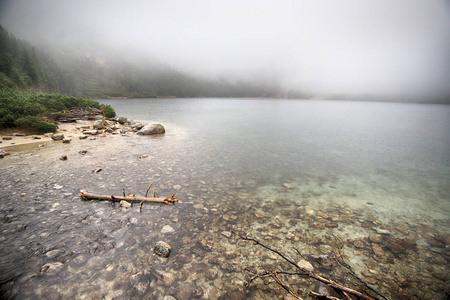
x=302 y=272
x=90 y=196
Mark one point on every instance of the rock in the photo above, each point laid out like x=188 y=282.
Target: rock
x=290 y=236
x=124 y=203
x=82 y=152
x=377 y=250
x=167 y=229
x=306 y=265
x=66 y=140
x=382 y=231
x=378 y=239
x=162 y=249
x=177 y=187
x=7 y=138
x=91 y=132
x=152 y=129
x=99 y=124
x=19 y=134
x=82 y=137
x=57 y=137
x=138 y=126
x=48 y=134
x=331 y=225
x=122 y=120
x=52 y=268
x=288 y=186
x=226 y=234
x=63 y=157
x=36 y=137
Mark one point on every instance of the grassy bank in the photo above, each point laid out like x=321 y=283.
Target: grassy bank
x=30 y=111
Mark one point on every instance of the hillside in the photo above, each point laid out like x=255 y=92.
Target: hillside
x=27 y=67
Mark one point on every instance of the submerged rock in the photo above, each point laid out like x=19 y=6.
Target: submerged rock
x=151 y=129
x=124 y=203
x=167 y=229
x=162 y=249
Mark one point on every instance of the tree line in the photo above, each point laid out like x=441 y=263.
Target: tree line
x=26 y=67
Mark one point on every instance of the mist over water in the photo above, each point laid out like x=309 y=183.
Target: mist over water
x=355 y=47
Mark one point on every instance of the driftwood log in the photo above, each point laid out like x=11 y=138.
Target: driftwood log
x=90 y=196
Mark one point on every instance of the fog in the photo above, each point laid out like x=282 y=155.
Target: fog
x=335 y=46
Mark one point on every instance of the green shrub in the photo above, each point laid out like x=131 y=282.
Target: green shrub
x=109 y=111
x=36 y=124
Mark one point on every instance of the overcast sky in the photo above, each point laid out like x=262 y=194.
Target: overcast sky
x=331 y=46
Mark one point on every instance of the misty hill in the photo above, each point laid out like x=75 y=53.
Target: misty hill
x=24 y=66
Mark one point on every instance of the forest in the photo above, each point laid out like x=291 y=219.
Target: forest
x=24 y=66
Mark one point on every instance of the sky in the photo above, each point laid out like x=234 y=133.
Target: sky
x=329 y=46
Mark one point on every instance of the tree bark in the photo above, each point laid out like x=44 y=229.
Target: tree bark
x=90 y=196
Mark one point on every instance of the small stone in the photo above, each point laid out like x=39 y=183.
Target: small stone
x=167 y=229
x=7 y=137
x=83 y=137
x=66 y=140
x=309 y=211
x=290 y=236
x=288 y=186
x=57 y=187
x=82 y=152
x=226 y=234
x=382 y=231
x=36 y=137
x=55 y=205
x=177 y=187
x=377 y=250
x=306 y=265
x=162 y=249
x=63 y=157
x=124 y=203
x=378 y=239
x=57 y=137
x=23 y=194
x=52 y=268
x=91 y=132
x=331 y=225
x=230 y=254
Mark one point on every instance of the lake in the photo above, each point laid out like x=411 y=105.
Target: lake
x=394 y=155
x=322 y=181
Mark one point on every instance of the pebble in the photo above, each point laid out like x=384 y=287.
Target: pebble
x=306 y=265
x=162 y=249
x=124 y=203
x=226 y=234
x=167 y=229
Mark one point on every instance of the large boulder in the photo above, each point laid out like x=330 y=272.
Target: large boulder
x=122 y=120
x=99 y=124
x=151 y=129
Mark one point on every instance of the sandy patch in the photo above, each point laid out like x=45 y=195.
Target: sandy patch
x=70 y=130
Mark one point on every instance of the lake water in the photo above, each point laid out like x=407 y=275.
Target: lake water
x=365 y=182
x=394 y=155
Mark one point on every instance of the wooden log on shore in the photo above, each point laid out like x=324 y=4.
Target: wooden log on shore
x=90 y=196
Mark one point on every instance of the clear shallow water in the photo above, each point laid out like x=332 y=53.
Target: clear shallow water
x=396 y=155
x=291 y=173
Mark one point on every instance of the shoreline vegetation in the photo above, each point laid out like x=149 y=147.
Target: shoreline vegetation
x=38 y=113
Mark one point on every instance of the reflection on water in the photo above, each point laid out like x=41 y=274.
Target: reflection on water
x=291 y=173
